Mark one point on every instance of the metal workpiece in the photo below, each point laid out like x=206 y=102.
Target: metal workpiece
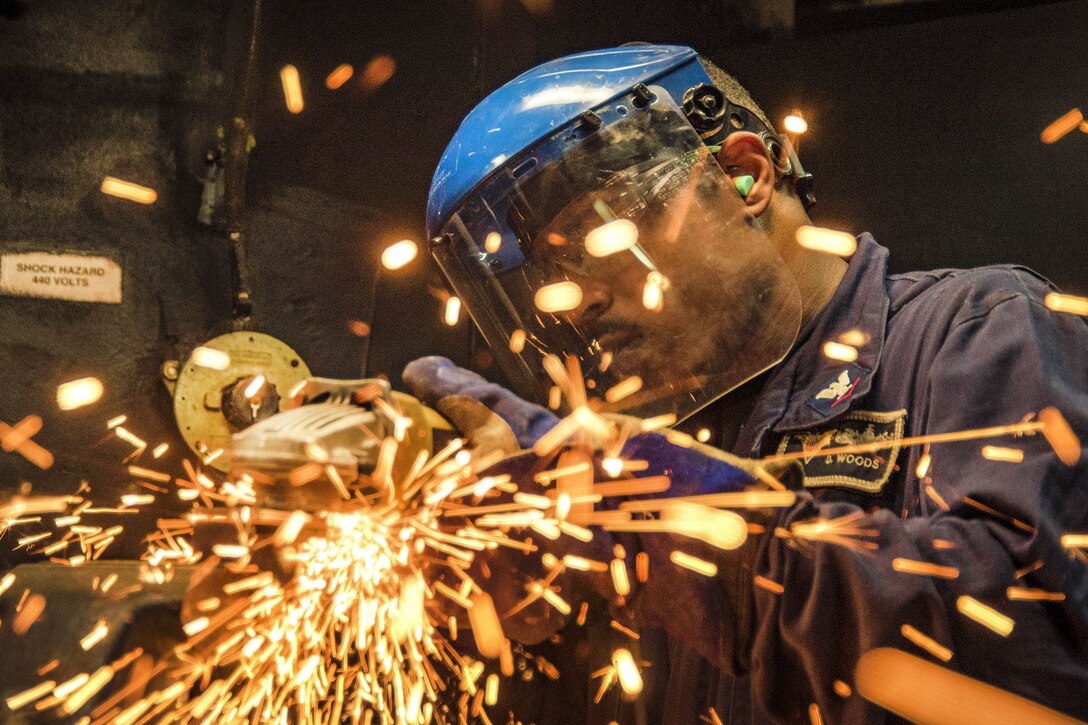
x=210 y=404
x=141 y=618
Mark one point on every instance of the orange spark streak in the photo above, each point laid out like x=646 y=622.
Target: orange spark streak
x=1061 y=126
x=339 y=76
x=622 y=389
x=984 y=615
x=894 y=680
x=292 y=88
x=128 y=190
x=32 y=609
x=771 y=586
x=1027 y=594
x=929 y=645
x=486 y=629
x=1066 y=303
x=1007 y=455
x=694 y=563
x=910 y=566
x=620 y=582
x=733 y=499
x=1060 y=436
x=966 y=435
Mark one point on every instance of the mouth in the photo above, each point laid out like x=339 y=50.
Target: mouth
x=613 y=337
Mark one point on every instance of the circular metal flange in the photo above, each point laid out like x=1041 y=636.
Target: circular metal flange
x=198 y=392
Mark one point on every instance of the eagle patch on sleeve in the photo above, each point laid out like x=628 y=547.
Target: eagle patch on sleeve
x=838 y=390
x=866 y=471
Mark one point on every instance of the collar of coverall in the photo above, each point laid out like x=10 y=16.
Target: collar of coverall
x=790 y=400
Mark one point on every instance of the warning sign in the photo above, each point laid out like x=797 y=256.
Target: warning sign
x=61 y=276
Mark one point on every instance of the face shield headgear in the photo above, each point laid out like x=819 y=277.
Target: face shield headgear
x=620 y=240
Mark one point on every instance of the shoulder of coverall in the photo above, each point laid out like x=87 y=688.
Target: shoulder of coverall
x=965 y=294
x=794 y=397
x=868 y=301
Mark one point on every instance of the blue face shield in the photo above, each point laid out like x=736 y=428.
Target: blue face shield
x=620 y=240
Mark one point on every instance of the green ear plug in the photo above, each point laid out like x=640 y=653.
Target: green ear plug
x=744 y=184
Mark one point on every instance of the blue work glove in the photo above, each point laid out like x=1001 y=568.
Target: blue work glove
x=716 y=610
x=694 y=469
x=434 y=379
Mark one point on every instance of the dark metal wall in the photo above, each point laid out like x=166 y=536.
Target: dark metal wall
x=925 y=134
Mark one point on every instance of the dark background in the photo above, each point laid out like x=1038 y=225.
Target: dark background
x=925 y=121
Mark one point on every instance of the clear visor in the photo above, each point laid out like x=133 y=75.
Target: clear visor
x=632 y=251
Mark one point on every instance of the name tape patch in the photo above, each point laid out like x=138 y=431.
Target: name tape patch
x=73 y=277
x=866 y=471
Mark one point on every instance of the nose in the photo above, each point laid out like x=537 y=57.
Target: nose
x=596 y=300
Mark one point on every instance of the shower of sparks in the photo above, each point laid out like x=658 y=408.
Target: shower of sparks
x=772 y=586
x=18 y=438
x=452 y=314
x=984 y=615
x=79 y=393
x=1008 y=455
x=339 y=76
x=795 y=123
x=517 y=341
x=353 y=632
x=924 y=568
x=360 y=627
x=839 y=351
x=399 y=254
x=1060 y=436
x=1027 y=594
x=1051 y=422
x=653 y=291
x=558 y=297
x=209 y=357
x=693 y=563
x=622 y=389
x=922 y=691
x=128 y=190
x=611 y=237
x=1075 y=541
x=1061 y=126
x=841 y=530
x=377 y=72
x=627 y=673
x=929 y=645
x=1066 y=303
x=827 y=241
x=253 y=388
x=854 y=338
x=292 y=88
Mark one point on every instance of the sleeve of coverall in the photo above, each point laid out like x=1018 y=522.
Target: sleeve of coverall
x=838 y=603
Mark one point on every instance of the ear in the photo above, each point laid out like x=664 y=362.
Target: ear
x=744 y=154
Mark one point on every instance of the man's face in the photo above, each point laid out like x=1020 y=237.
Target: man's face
x=701 y=294
x=677 y=285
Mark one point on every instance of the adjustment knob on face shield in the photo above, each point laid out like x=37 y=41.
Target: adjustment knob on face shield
x=704 y=106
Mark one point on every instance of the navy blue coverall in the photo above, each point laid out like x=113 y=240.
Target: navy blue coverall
x=947 y=350
x=940 y=351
